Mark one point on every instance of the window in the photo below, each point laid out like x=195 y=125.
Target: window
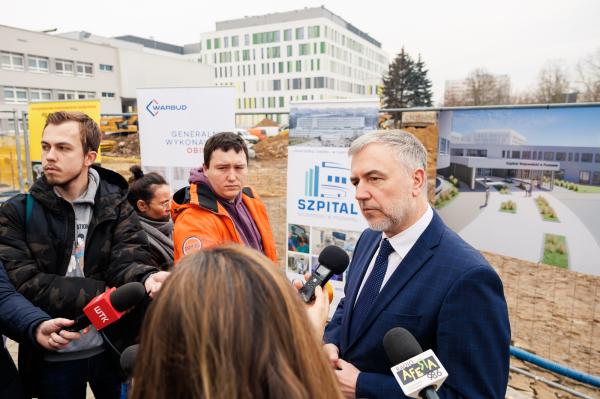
x=313 y=31
x=282 y=104
x=85 y=69
x=596 y=179
x=442 y=146
x=307 y=83
x=458 y=152
x=13 y=61
x=298 y=66
x=526 y=154
x=281 y=67
x=300 y=33
x=273 y=52
x=82 y=95
x=246 y=39
x=570 y=157
x=245 y=55
x=108 y=94
x=586 y=157
x=276 y=85
x=65 y=95
x=15 y=95
x=287 y=35
x=576 y=157
x=208 y=44
x=584 y=176
x=265 y=37
x=64 y=67
x=226 y=42
x=296 y=84
x=37 y=64
x=323 y=47
x=304 y=49
x=549 y=156
x=235 y=41
x=290 y=51
x=106 y=67
x=597 y=160
x=516 y=155
x=40 y=95
x=474 y=152
x=561 y=156
x=319 y=83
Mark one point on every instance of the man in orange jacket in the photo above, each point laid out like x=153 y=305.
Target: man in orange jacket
x=217 y=207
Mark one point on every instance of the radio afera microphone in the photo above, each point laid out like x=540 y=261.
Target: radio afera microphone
x=418 y=373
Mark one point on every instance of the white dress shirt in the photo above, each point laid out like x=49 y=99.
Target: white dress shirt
x=401 y=243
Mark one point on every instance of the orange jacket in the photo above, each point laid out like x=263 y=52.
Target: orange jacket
x=201 y=222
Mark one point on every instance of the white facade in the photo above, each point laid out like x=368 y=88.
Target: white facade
x=271 y=60
x=490 y=137
x=41 y=67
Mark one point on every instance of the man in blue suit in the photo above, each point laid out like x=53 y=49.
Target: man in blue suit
x=21 y=321
x=410 y=270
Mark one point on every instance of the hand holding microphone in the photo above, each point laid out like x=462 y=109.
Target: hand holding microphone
x=109 y=306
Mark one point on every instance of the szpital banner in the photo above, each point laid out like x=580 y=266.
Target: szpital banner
x=321 y=209
x=176 y=122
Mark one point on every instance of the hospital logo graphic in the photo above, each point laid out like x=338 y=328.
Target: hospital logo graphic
x=153 y=107
x=327 y=180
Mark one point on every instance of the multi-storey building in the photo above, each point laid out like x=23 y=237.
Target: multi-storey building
x=37 y=66
x=273 y=59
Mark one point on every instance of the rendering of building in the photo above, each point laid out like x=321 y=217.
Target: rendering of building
x=275 y=59
x=500 y=154
x=37 y=66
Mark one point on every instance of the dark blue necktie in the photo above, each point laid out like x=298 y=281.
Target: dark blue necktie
x=370 y=290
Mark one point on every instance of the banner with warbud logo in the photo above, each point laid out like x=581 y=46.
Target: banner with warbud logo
x=321 y=208
x=176 y=122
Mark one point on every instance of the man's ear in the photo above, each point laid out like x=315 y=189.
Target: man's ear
x=204 y=167
x=419 y=179
x=90 y=158
x=141 y=205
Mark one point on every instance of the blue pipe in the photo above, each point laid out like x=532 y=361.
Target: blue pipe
x=555 y=367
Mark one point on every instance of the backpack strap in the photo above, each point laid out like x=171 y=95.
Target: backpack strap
x=28 y=207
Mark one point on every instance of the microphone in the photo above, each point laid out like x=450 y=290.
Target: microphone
x=109 y=306
x=419 y=374
x=127 y=360
x=332 y=260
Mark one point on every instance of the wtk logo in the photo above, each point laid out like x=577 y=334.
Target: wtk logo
x=153 y=107
x=327 y=180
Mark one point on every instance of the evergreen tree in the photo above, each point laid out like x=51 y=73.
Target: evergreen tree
x=422 y=94
x=398 y=84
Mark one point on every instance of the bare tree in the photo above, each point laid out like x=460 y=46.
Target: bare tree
x=479 y=88
x=553 y=83
x=588 y=71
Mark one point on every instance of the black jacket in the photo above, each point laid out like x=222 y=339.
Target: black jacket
x=36 y=247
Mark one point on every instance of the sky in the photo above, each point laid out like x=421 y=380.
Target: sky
x=514 y=37
x=562 y=126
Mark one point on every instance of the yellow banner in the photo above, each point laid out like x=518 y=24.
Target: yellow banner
x=38 y=112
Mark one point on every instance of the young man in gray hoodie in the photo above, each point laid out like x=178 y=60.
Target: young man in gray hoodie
x=71 y=238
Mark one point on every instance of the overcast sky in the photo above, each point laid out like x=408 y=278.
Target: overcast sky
x=514 y=37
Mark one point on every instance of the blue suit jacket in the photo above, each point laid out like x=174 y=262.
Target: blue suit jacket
x=18 y=317
x=449 y=297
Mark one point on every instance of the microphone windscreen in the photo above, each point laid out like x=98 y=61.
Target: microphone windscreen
x=127 y=296
x=400 y=345
x=128 y=359
x=334 y=258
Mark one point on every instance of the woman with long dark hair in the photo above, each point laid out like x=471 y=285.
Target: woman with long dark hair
x=150 y=196
x=226 y=325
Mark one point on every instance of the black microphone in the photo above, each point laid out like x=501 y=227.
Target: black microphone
x=332 y=260
x=127 y=360
x=109 y=306
x=418 y=373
